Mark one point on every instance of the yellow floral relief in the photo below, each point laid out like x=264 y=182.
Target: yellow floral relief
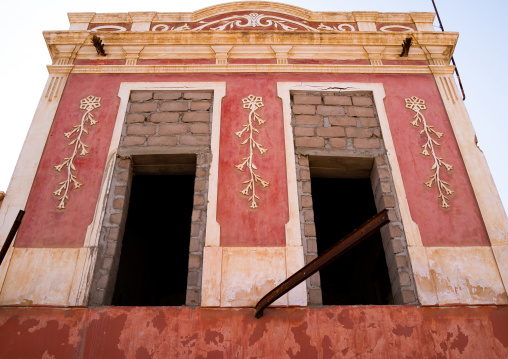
x=428 y=149
x=252 y=103
x=80 y=149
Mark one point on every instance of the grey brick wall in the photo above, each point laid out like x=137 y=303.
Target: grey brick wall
x=156 y=122
x=169 y=118
x=346 y=125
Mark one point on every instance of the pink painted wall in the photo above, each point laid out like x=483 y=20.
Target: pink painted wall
x=406 y=62
x=176 y=61
x=45 y=226
x=462 y=224
x=324 y=333
x=240 y=225
x=99 y=62
x=252 y=61
x=327 y=62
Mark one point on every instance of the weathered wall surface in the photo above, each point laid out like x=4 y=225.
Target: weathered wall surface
x=332 y=332
x=240 y=225
x=161 y=121
x=346 y=126
x=45 y=226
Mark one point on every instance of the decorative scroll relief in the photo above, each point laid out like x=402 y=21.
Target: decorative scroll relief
x=109 y=28
x=415 y=104
x=252 y=103
x=396 y=28
x=253 y=20
x=162 y=27
x=341 y=27
x=80 y=149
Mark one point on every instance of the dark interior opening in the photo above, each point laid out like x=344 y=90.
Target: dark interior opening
x=155 y=248
x=360 y=276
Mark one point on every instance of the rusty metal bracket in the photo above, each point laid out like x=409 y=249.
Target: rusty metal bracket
x=99 y=46
x=341 y=247
x=11 y=235
x=406 y=45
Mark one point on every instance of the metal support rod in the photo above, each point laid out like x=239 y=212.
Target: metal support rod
x=453 y=61
x=341 y=247
x=10 y=236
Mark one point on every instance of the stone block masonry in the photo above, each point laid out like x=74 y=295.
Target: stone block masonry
x=346 y=125
x=331 y=120
x=168 y=118
x=157 y=122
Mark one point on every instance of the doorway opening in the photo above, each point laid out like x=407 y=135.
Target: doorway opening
x=155 y=248
x=341 y=205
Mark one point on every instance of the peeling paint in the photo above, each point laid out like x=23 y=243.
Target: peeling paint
x=402 y=330
x=191 y=341
x=375 y=331
x=344 y=319
x=460 y=341
x=499 y=321
x=466 y=275
x=327 y=348
x=159 y=322
x=257 y=334
x=142 y=353
x=47 y=335
x=304 y=340
x=214 y=337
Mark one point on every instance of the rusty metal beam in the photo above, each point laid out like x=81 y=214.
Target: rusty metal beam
x=11 y=235
x=341 y=247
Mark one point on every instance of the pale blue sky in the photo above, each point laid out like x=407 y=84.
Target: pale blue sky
x=480 y=55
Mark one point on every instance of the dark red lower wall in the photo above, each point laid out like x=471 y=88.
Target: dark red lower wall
x=181 y=332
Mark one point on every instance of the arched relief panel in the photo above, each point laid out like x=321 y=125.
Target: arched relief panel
x=255 y=21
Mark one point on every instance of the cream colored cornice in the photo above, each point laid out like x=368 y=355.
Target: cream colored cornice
x=432 y=46
x=60 y=69
x=112 y=18
x=75 y=17
x=142 y=16
x=442 y=70
x=314 y=16
x=252 y=5
x=359 y=69
x=80 y=21
x=366 y=16
x=397 y=17
x=259 y=37
x=423 y=16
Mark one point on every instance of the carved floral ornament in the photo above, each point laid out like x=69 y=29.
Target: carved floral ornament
x=254 y=20
x=88 y=104
x=428 y=149
x=252 y=103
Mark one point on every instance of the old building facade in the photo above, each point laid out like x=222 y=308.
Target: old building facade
x=181 y=165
